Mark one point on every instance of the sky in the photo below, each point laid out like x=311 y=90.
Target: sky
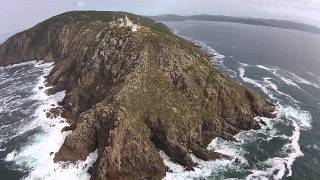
x=16 y=15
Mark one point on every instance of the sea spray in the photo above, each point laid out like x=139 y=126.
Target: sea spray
x=216 y=58
x=37 y=157
x=273 y=167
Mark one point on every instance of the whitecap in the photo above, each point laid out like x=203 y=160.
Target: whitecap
x=301 y=117
x=275 y=88
x=266 y=68
x=11 y=156
x=281 y=165
x=316 y=77
x=203 y=169
x=38 y=156
x=217 y=58
x=295 y=117
x=256 y=83
x=288 y=77
x=17 y=65
x=274 y=167
x=219 y=167
x=313 y=146
x=289 y=115
x=301 y=80
x=77 y=170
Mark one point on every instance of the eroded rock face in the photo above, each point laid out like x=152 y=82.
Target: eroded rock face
x=132 y=94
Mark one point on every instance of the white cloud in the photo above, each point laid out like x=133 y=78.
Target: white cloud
x=307 y=11
x=81 y=3
x=19 y=13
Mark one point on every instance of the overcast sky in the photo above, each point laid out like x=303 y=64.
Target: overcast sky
x=17 y=14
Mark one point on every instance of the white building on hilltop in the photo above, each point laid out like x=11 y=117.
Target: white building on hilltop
x=126 y=23
x=134 y=28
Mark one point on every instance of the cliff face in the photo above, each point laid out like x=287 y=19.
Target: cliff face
x=131 y=94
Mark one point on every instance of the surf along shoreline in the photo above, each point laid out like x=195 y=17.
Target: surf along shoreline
x=298 y=120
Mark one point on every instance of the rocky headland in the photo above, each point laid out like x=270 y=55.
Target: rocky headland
x=131 y=94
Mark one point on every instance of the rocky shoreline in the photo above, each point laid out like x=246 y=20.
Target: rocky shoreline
x=131 y=94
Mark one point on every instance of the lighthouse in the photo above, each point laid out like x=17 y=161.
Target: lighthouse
x=126 y=23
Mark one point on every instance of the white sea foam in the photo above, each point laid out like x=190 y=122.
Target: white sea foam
x=266 y=68
x=290 y=115
x=207 y=168
x=275 y=167
x=17 y=65
x=218 y=167
x=281 y=165
x=267 y=85
x=313 y=146
x=283 y=78
x=302 y=80
x=298 y=119
x=13 y=87
x=289 y=78
x=256 y=83
x=267 y=80
x=72 y=171
x=278 y=167
x=11 y=156
x=216 y=59
x=313 y=75
x=301 y=117
x=294 y=117
x=203 y=169
x=38 y=155
x=233 y=149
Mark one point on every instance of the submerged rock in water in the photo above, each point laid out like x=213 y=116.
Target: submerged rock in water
x=132 y=94
x=54 y=113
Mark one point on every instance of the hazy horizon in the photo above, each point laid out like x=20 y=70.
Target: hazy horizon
x=19 y=14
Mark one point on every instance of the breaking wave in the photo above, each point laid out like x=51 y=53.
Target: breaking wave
x=216 y=58
x=290 y=78
x=36 y=157
x=247 y=162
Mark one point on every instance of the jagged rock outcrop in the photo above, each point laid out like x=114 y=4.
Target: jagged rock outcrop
x=132 y=94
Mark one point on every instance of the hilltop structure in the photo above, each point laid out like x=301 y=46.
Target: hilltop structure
x=126 y=23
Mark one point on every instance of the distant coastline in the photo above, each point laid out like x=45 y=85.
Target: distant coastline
x=284 y=24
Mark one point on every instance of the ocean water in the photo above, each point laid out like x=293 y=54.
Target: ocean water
x=27 y=137
x=281 y=65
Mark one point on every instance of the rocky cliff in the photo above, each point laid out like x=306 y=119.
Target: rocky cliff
x=132 y=94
